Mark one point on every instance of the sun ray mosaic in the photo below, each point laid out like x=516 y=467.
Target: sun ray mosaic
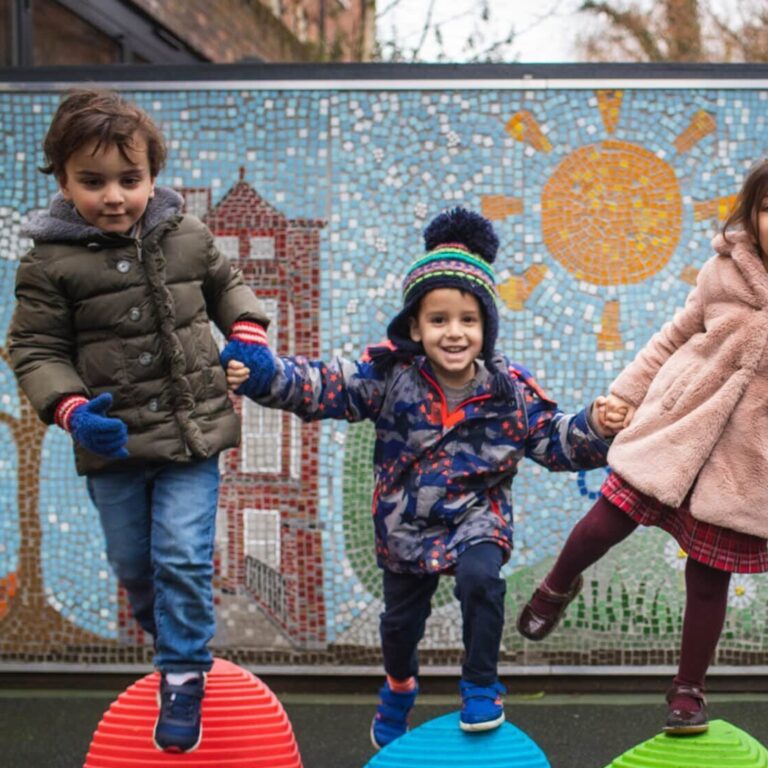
x=605 y=202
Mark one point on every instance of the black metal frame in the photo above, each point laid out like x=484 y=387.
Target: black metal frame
x=21 y=32
x=200 y=73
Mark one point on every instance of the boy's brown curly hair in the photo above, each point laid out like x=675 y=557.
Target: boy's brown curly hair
x=101 y=116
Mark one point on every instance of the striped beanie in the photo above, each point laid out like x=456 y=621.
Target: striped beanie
x=461 y=246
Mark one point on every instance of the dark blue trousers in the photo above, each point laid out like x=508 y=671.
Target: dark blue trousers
x=479 y=590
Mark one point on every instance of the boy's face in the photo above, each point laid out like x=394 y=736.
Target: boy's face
x=110 y=191
x=449 y=325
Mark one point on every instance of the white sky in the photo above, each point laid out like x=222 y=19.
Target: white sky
x=546 y=30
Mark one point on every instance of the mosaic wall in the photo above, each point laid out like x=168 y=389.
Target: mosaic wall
x=605 y=202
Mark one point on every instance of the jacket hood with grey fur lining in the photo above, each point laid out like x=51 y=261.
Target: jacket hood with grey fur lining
x=62 y=223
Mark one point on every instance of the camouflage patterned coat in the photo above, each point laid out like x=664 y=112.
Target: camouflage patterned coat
x=443 y=480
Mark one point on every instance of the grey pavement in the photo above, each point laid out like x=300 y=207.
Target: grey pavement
x=44 y=728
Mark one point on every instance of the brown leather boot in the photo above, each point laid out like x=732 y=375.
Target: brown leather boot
x=682 y=722
x=536 y=626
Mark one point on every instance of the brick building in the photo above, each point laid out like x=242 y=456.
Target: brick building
x=95 y=32
x=269 y=536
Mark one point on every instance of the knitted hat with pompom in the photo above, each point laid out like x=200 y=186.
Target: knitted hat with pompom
x=461 y=247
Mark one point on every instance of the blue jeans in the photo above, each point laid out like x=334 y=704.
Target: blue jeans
x=160 y=524
x=480 y=591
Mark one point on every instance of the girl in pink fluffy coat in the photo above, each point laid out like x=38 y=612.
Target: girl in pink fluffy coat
x=693 y=455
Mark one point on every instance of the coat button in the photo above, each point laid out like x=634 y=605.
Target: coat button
x=153 y=404
x=135 y=314
x=123 y=266
x=145 y=358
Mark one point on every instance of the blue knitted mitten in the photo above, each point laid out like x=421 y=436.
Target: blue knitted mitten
x=247 y=344
x=94 y=430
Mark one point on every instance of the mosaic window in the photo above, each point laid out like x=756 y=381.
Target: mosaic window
x=262 y=248
x=605 y=201
x=262 y=427
x=229 y=245
x=262 y=535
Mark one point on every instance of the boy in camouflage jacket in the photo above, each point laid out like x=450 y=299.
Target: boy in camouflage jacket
x=450 y=434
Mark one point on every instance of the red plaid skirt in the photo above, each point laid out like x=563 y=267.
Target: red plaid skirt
x=712 y=545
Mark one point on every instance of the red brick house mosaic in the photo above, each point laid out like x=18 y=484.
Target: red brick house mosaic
x=269 y=538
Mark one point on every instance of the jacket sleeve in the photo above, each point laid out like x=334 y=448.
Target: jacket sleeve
x=560 y=441
x=227 y=297
x=313 y=390
x=41 y=340
x=633 y=382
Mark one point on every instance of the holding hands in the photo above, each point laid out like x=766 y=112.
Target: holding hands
x=248 y=361
x=618 y=413
x=237 y=374
x=611 y=414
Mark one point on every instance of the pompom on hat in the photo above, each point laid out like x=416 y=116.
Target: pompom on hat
x=461 y=247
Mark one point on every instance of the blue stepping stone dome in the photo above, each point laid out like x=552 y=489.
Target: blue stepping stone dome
x=440 y=742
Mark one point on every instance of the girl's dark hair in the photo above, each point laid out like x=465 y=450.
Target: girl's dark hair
x=103 y=116
x=748 y=202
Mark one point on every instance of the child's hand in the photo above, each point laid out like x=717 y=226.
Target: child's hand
x=237 y=374
x=91 y=427
x=255 y=363
x=618 y=413
x=597 y=418
x=609 y=415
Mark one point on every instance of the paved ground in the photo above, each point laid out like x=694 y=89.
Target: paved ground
x=52 y=728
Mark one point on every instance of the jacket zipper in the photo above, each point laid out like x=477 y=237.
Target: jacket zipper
x=496 y=509
x=140 y=255
x=444 y=402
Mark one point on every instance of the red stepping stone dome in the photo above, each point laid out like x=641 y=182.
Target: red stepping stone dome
x=244 y=726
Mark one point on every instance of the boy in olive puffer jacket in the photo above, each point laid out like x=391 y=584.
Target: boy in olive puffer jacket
x=114 y=303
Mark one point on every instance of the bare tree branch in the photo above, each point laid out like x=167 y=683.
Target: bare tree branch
x=545 y=15
x=424 y=30
x=632 y=22
x=683 y=30
x=487 y=53
x=384 y=11
x=677 y=30
x=474 y=21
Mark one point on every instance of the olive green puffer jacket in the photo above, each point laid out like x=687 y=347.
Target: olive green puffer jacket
x=98 y=312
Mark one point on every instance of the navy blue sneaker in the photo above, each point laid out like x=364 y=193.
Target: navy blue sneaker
x=391 y=719
x=481 y=708
x=179 y=727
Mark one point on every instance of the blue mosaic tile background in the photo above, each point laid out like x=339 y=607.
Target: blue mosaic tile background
x=377 y=166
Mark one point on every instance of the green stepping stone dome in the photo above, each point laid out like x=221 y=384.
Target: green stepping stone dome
x=722 y=746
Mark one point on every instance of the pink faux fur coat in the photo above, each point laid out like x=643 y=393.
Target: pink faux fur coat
x=701 y=384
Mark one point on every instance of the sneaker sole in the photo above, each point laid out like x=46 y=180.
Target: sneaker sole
x=486 y=725
x=376 y=745
x=685 y=730
x=176 y=750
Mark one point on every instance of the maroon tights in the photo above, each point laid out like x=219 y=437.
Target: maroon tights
x=706 y=588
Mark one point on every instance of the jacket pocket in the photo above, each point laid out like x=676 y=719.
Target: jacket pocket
x=676 y=390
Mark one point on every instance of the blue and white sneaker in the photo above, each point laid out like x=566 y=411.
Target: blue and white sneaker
x=179 y=726
x=391 y=719
x=481 y=708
